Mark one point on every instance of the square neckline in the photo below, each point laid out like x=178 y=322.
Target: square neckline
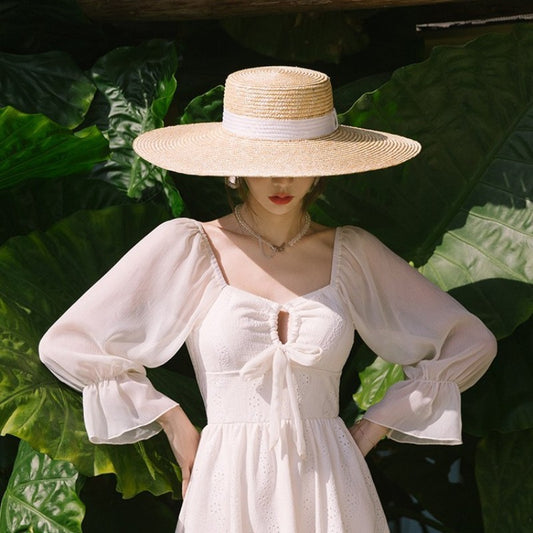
x=222 y=278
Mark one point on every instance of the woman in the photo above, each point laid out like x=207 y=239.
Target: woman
x=268 y=302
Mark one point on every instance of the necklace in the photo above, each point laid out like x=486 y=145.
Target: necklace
x=262 y=241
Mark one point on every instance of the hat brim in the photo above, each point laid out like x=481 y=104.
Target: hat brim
x=207 y=149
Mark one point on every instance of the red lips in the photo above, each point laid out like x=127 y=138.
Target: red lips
x=281 y=199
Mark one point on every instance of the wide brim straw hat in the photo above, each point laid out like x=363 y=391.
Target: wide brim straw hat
x=278 y=121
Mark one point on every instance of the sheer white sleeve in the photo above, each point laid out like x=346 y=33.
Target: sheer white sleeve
x=136 y=316
x=405 y=319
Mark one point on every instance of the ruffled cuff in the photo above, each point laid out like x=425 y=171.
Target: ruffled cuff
x=123 y=410
x=420 y=412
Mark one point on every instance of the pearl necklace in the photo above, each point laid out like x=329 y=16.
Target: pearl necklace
x=262 y=241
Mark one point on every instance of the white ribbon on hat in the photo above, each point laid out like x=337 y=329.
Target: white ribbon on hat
x=273 y=129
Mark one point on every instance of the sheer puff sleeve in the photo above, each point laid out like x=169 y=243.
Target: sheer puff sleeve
x=136 y=316
x=407 y=320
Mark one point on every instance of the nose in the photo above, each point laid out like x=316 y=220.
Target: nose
x=282 y=182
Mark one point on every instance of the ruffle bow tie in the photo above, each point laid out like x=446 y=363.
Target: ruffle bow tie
x=280 y=358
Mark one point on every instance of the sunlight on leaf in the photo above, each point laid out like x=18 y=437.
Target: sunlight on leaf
x=461 y=210
x=375 y=381
x=32 y=146
x=139 y=84
x=49 y=83
x=42 y=495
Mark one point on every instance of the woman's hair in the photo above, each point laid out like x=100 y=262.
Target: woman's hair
x=242 y=193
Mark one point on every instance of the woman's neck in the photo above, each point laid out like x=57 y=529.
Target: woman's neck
x=275 y=228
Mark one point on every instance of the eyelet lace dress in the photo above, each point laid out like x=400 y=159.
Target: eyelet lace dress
x=274 y=456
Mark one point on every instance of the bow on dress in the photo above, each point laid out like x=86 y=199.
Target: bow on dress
x=279 y=358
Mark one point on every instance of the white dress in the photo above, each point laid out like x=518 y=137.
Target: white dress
x=275 y=456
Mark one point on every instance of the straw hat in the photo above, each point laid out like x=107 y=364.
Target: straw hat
x=278 y=121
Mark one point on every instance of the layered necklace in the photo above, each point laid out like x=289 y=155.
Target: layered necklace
x=274 y=248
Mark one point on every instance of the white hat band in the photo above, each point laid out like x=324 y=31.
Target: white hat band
x=273 y=129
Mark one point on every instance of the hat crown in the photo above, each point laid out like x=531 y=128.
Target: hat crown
x=278 y=93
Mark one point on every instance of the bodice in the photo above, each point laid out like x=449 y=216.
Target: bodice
x=245 y=372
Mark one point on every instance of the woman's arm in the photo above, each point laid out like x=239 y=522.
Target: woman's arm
x=402 y=317
x=136 y=316
x=183 y=438
x=367 y=434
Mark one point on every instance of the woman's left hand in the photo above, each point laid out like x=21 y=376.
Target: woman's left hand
x=367 y=434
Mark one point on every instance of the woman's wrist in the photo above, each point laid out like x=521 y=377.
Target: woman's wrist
x=367 y=434
x=168 y=418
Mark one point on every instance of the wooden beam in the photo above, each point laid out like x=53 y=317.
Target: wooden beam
x=169 y=10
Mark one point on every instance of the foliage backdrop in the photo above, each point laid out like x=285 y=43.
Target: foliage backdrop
x=74 y=197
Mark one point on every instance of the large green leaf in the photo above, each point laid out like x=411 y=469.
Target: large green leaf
x=375 y=381
x=42 y=495
x=49 y=83
x=40 y=276
x=345 y=95
x=504 y=471
x=462 y=208
x=139 y=84
x=32 y=146
x=207 y=107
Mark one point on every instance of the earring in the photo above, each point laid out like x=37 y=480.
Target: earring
x=233 y=182
x=315 y=183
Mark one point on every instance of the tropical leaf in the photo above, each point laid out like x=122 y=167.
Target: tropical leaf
x=462 y=208
x=345 y=95
x=375 y=381
x=207 y=107
x=42 y=495
x=32 y=146
x=139 y=84
x=49 y=83
x=490 y=235
x=173 y=196
x=40 y=276
x=504 y=470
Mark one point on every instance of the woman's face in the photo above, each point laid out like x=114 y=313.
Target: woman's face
x=278 y=195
